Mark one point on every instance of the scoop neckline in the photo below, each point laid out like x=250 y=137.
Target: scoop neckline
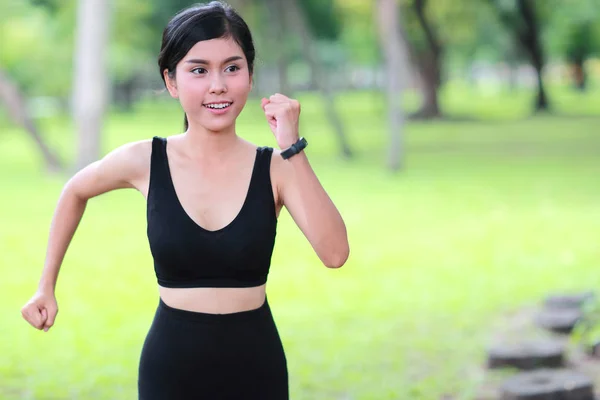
x=187 y=215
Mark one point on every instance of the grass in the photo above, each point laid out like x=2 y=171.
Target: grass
x=487 y=215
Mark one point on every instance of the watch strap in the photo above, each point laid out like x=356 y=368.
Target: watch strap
x=294 y=149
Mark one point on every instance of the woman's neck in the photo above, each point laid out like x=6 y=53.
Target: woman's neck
x=202 y=144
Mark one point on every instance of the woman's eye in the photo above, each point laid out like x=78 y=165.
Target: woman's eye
x=232 y=68
x=198 y=71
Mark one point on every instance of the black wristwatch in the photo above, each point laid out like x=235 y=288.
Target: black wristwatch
x=294 y=149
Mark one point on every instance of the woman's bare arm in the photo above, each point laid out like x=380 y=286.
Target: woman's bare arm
x=300 y=191
x=124 y=167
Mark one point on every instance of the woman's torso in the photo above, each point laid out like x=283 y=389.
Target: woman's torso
x=212 y=197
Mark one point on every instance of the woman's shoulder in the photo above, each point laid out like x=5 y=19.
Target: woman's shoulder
x=142 y=148
x=137 y=149
x=133 y=156
x=273 y=154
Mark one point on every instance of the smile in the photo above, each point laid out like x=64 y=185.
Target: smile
x=217 y=106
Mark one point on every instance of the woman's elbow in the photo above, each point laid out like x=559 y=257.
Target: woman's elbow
x=337 y=258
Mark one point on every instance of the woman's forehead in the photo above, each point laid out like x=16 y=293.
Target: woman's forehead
x=214 y=50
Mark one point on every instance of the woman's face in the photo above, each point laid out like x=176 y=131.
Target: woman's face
x=212 y=83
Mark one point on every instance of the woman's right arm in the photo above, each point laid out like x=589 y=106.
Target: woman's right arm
x=124 y=167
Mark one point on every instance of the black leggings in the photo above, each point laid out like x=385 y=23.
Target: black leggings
x=191 y=355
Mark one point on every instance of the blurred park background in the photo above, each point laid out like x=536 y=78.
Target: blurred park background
x=460 y=140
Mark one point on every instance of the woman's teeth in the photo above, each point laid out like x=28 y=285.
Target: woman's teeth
x=218 y=106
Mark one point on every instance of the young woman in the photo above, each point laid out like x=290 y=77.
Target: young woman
x=213 y=200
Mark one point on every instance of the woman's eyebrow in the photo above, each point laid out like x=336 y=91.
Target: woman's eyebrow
x=200 y=61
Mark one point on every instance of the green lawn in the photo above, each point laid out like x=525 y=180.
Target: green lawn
x=488 y=215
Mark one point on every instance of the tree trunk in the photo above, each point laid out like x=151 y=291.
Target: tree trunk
x=90 y=96
x=298 y=20
x=429 y=70
x=429 y=65
x=531 y=42
x=396 y=59
x=541 y=102
x=579 y=74
x=14 y=100
x=526 y=29
x=277 y=17
x=580 y=47
x=124 y=94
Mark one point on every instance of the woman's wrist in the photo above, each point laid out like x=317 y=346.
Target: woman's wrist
x=46 y=286
x=287 y=144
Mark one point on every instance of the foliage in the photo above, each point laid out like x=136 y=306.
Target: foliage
x=51 y=5
x=437 y=254
x=358 y=34
x=38 y=52
x=322 y=18
x=574 y=29
x=164 y=10
x=587 y=330
x=135 y=41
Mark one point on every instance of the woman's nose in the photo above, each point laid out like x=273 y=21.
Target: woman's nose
x=217 y=84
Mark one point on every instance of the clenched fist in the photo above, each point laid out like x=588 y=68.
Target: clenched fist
x=283 y=115
x=41 y=310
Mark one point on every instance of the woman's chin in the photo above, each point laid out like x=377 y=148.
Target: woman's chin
x=220 y=126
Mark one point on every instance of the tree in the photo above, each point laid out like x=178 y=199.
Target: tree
x=437 y=31
x=15 y=102
x=573 y=34
x=91 y=82
x=358 y=34
x=297 y=19
x=521 y=18
x=579 y=48
x=396 y=59
x=32 y=45
x=276 y=14
x=428 y=58
x=39 y=36
x=133 y=47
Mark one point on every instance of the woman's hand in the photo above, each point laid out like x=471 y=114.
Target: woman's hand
x=283 y=116
x=40 y=311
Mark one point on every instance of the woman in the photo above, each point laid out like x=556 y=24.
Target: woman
x=212 y=205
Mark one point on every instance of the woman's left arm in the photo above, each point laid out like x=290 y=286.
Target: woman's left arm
x=299 y=189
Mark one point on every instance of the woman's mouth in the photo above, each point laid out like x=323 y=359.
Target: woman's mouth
x=218 y=108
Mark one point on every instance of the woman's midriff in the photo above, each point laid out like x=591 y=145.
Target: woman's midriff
x=214 y=300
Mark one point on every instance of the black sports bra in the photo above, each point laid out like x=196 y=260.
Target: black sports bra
x=187 y=255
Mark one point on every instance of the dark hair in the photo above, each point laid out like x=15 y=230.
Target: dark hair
x=202 y=22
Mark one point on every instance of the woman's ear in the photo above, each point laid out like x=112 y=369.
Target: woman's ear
x=171 y=83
